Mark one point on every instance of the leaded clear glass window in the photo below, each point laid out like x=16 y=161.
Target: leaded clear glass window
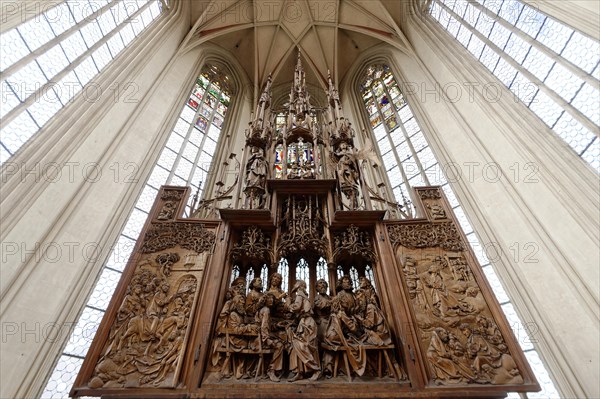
x=264 y=276
x=370 y=275
x=302 y=273
x=185 y=161
x=354 y=277
x=322 y=270
x=283 y=268
x=409 y=162
x=249 y=278
x=235 y=273
x=551 y=68
x=340 y=272
x=48 y=60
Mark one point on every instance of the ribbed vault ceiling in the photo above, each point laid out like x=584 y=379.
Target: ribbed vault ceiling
x=263 y=35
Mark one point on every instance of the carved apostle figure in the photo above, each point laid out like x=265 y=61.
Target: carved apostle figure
x=444 y=304
x=348 y=173
x=489 y=330
x=304 y=356
x=322 y=308
x=238 y=287
x=480 y=352
x=364 y=294
x=221 y=326
x=254 y=297
x=372 y=319
x=342 y=313
x=279 y=295
x=344 y=329
x=256 y=178
x=256 y=168
x=269 y=337
x=447 y=365
x=233 y=313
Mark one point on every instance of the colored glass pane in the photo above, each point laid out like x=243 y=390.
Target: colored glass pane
x=201 y=123
x=192 y=102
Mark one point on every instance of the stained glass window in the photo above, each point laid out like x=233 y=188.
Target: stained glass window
x=409 y=162
x=549 y=67
x=300 y=161
x=50 y=58
x=185 y=160
x=405 y=152
x=278 y=163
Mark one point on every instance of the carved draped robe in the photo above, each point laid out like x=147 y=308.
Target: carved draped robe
x=304 y=341
x=446 y=368
x=376 y=329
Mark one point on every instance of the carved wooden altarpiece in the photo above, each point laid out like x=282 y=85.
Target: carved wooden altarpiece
x=377 y=304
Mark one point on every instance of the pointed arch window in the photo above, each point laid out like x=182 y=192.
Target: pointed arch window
x=370 y=275
x=283 y=268
x=409 y=162
x=49 y=59
x=185 y=160
x=550 y=67
x=407 y=158
x=322 y=271
x=340 y=272
x=302 y=273
x=354 y=277
x=235 y=273
x=264 y=275
x=249 y=278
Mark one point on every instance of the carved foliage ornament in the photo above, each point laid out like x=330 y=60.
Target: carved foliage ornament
x=424 y=235
x=172 y=195
x=305 y=228
x=166 y=235
x=354 y=242
x=302 y=241
x=430 y=193
x=254 y=244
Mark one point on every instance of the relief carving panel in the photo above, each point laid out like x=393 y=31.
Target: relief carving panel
x=146 y=343
x=462 y=341
x=459 y=335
